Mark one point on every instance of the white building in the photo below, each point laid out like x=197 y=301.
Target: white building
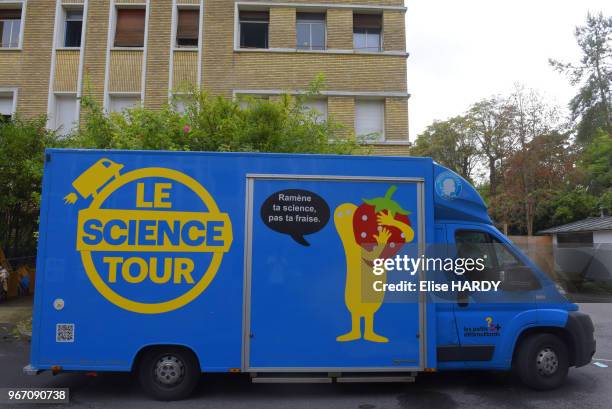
x=583 y=249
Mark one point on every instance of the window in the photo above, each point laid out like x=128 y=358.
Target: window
x=181 y=102
x=119 y=103
x=188 y=28
x=179 y=106
x=130 y=28
x=475 y=244
x=310 y=31
x=6 y=105
x=254 y=29
x=65 y=115
x=367 y=30
x=575 y=239
x=10 y=27
x=248 y=101
x=73 y=26
x=499 y=261
x=318 y=107
x=370 y=118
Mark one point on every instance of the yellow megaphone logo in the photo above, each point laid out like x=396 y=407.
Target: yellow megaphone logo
x=151 y=243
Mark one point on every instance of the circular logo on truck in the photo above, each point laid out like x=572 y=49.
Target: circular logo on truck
x=152 y=239
x=448 y=185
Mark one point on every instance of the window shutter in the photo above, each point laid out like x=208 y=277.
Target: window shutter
x=188 y=24
x=6 y=104
x=318 y=105
x=120 y=103
x=367 y=21
x=310 y=17
x=254 y=16
x=65 y=113
x=10 y=14
x=130 y=28
x=370 y=118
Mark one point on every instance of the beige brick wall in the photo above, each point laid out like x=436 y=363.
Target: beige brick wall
x=296 y=70
x=95 y=49
x=125 y=71
x=342 y=110
x=66 y=71
x=396 y=118
x=185 y=73
x=158 y=53
x=394 y=31
x=340 y=29
x=29 y=69
x=218 y=57
x=390 y=150
x=282 y=27
x=359 y=2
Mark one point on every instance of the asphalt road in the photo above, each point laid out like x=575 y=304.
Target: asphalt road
x=587 y=387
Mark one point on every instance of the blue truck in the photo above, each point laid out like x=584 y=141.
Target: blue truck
x=171 y=264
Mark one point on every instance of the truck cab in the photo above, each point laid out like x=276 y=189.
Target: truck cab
x=528 y=325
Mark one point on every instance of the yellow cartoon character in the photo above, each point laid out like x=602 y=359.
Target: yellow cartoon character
x=378 y=228
x=96 y=176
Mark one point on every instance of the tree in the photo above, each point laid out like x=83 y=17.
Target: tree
x=596 y=163
x=533 y=176
x=490 y=123
x=592 y=106
x=538 y=161
x=566 y=206
x=450 y=144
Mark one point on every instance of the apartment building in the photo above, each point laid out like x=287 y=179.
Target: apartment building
x=129 y=52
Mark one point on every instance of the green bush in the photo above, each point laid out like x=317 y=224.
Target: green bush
x=215 y=124
x=22 y=145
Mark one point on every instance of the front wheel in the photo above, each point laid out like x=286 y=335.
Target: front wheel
x=168 y=373
x=542 y=361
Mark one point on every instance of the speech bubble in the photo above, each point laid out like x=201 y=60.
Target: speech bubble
x=295 y=212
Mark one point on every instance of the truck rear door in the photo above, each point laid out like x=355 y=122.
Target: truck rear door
x=310 y=303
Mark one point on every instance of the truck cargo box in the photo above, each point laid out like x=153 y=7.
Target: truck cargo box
x=256 y=262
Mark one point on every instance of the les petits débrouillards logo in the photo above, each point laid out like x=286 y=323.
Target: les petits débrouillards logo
x=151 y=240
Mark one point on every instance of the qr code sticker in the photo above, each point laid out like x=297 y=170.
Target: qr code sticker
x=64 y=333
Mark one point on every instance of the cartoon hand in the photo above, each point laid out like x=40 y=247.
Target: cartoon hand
x=385 y=219
x=383 y=237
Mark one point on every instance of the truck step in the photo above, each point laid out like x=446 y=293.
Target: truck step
x=371 y=379
x=333 y=376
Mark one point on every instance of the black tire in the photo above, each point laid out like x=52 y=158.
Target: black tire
x=542 y=361
x=168 y=373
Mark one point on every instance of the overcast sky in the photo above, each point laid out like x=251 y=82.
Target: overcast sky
x=463 y=51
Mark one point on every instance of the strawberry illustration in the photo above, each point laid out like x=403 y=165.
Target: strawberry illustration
x=373 y=214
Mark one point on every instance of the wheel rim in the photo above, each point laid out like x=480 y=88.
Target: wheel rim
x=169 y=371
x=547 y=362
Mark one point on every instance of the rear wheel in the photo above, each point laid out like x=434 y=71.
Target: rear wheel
x=168 y=373
x=542 y=361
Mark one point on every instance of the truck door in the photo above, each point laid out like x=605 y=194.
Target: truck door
x=309 y=303
x=446 y=328
x=485 y=319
